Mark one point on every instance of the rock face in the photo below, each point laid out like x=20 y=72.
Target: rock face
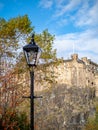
x=64 y=108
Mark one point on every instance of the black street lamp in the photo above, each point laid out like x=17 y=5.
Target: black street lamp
x=32 y=53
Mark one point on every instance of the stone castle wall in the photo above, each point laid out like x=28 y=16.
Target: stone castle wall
x=72 y=72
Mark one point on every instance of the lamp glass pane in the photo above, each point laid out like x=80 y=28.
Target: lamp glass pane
x=32 y=57
x=38 y=55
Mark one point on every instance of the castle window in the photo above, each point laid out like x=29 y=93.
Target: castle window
x=92 y=83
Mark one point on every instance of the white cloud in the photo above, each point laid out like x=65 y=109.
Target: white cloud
x=46 y=3
x=67 y=7
x=87 y=15
x=84 y=43
x=80 y=12
x=62 y=22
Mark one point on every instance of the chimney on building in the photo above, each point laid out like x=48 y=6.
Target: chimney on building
x=74 y=57
x=84 y=59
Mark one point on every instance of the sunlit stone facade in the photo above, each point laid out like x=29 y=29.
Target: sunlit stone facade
x=72 y=72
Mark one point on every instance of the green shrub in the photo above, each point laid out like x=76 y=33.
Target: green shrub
x=92 y=123
x=13 y=120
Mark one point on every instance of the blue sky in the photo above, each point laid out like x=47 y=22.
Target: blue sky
x=73 y=22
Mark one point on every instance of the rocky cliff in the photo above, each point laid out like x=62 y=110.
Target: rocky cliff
x=64 y=108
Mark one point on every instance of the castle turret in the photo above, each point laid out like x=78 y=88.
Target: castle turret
x=74 y=57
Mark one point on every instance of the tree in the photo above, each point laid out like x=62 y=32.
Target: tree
x=45 y=41
x=11 y=32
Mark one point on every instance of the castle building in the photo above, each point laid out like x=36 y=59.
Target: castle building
x=72 y=72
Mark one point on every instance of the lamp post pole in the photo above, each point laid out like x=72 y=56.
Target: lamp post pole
x=32 y=100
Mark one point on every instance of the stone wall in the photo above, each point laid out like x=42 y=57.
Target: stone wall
x=72 y=72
